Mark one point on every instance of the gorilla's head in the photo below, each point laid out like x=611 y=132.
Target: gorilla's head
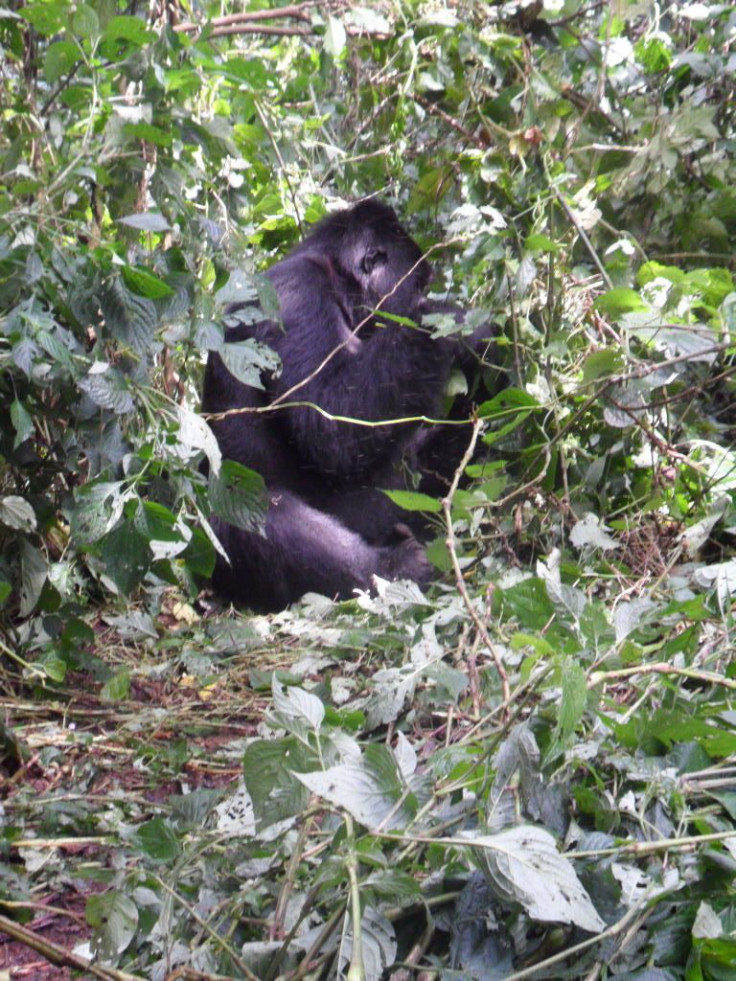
x=369 y=245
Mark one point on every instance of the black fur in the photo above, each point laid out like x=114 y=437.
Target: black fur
x=329 y=528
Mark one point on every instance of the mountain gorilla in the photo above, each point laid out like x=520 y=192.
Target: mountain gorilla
x=329 y=528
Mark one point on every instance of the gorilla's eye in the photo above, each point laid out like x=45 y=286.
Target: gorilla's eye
x=372 y=259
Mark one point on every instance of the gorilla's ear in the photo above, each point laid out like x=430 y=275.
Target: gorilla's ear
x=371 y=259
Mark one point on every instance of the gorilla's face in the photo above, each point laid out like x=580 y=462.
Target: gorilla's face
x=386 y=262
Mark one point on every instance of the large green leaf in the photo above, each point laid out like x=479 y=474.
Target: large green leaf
x=523 y=866
x=247 y=359
x=114 y=917
x=239 y=496
x=131 y=319
x=271 y=772
x=414 y=501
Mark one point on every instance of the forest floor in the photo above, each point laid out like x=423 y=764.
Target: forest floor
x=74 y=752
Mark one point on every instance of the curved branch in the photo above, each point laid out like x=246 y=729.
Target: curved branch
x=296 y=11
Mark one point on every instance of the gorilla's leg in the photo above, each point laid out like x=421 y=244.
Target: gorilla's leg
x=306 y=550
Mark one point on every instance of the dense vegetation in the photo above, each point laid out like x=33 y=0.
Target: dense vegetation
x=531 y=770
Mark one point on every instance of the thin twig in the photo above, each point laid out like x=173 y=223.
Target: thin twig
x=583 y=235
x=260 y=29
x=563 y=955
x=352 y=420
x=285 y=893
x=320 y=944
x=49 y=910
x=434 y=110
x=452 y=549
x=708 y=677
x=686 y=844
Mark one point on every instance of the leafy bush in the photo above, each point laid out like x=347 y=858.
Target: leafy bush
x=569 y=169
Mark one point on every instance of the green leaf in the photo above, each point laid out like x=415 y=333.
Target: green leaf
x=151 y=134
x=156 y=521
x=108 y=388
x=55 y=344
x=126 y=556
x=269 y=770
x=653 y=54
x=17 y=513
x=97 y=508
x=414 y=501
x=523 y=865
x=428 y=189
x=24 y=353
x=727 y=799
x=720 y=743
x=618 y=301
x=77 y=633
x=574 y=697
x=378 y=946
x=714 y=284
x=541 y=243
x=608 y=361
x=34 y=573
x=296 y=710
x=199 y=555
x=47 y=18
x=195 y=435
x=246 y=360
x=132 y=29
x=54 y=667
x=166 y=535
x=114 y=917
x=250 y=70
x=655 y=270
x=438 y=555
x=156 y=840
x=520 y=640
x=194 y=807
x=146 y=221
x=129 y=318
x=486 y=470
x=59 y=59
x=116 y=688
x=239 y=496
x=335 y=37
x=370 y=789
x=717 y=956
x=509 y=408
x=144 y=283
x=396 y=318
x=85 y=22
x=22 y=423
x=528 y=602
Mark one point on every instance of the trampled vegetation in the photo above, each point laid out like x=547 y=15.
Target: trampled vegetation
x=528 y=771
